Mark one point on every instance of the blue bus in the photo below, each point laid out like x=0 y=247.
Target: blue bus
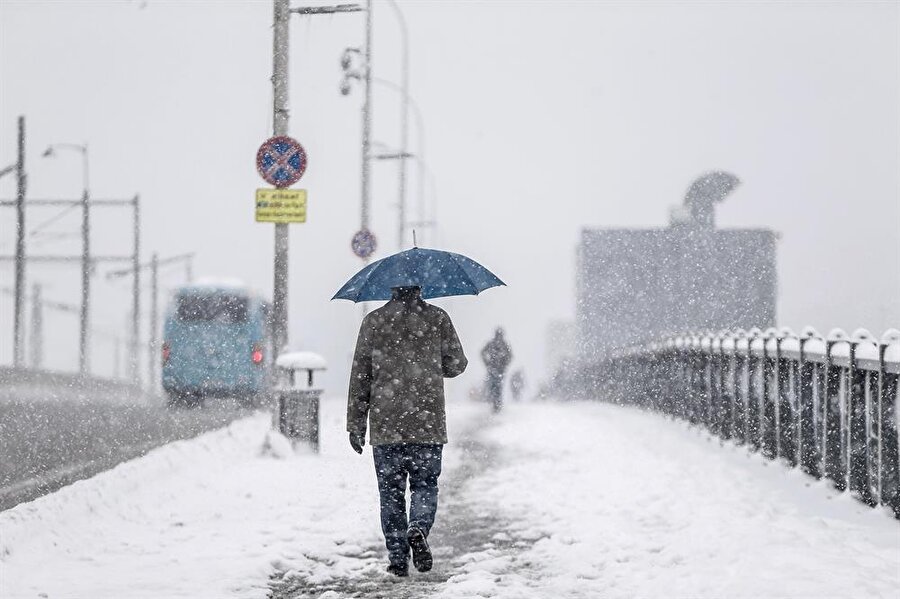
x=216 y=343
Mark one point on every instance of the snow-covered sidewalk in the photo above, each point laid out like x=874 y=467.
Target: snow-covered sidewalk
x=621 y=503
x=214 y=517
x=547 y=500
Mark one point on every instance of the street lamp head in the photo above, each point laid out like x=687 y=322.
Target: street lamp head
x=48 y=152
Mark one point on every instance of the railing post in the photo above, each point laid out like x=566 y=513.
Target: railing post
x=834 y=462
x=708 y=395
x=809 y=451
x=755 y=393
x=858 y=455
x=787 y=394
x=889 y=460
x=726 y=346
x=670 y=379
x=679 y=375
x=740 y=381
x=769 y=432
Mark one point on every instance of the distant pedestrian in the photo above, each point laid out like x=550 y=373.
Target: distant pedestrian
x=404 y=351
x=496 y=356
x=517 y=384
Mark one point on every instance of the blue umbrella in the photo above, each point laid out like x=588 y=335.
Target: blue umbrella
x=438 y=273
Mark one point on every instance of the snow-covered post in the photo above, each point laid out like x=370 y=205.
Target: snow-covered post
x=788 y=359
x=837 y=349
x=297 y=415
x=726 y=372
x=754 y=387
x=741 y=386
x=812 y=349
x=863 y=378
x=769 y=427
x=889 y=449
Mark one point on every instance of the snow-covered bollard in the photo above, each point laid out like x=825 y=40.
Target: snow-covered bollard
x=298 y=400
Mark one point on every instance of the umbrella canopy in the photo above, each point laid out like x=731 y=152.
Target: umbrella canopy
x=438 y=273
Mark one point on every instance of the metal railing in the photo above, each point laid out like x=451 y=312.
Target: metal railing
x=827 y=405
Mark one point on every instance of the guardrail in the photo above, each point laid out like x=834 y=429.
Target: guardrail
x=827 y=405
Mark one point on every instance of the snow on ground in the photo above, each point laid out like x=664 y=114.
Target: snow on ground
x=210 y=517
x=578 y=500
x=621 y=503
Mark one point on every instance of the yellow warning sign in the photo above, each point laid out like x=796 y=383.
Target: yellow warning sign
x=281 y=205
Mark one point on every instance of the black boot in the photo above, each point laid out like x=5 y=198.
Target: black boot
x=421 y=553
x=399 y=569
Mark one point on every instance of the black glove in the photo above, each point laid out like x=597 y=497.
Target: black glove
x=357 y=442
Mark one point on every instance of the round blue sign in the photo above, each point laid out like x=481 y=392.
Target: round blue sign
x=281 y=161
x=363 y=243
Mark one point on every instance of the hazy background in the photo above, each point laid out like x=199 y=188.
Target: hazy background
x=541 y=118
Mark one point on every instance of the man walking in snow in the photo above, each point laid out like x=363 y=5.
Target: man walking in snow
x=404 y=351
x=496 y=356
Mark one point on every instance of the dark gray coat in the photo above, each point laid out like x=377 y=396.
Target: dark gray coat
x=404 y=351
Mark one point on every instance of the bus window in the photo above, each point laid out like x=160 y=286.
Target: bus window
x=226 y=309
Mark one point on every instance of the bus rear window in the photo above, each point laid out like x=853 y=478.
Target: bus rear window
x=228 y=309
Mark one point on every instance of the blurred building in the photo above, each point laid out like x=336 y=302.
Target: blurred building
x=638 y=285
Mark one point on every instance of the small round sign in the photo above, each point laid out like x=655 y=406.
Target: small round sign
x=363 y=243
x=281 y=161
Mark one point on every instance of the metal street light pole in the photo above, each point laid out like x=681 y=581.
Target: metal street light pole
x=367 y=122
x=404 y=127
x=84 y=324
x=364 y=74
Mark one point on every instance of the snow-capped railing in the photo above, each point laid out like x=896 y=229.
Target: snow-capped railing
x=825 y=404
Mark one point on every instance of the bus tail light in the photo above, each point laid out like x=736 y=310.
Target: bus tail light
x=256 y=356
x=166 y=352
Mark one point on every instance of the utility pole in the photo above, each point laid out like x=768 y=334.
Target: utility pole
x=84 y=324
x=280 y=121
x=153 y=360
x=84 y=320
x=37 y=328
x=19 y=301
x=134 y=369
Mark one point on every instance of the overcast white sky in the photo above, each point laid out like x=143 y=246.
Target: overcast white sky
x=541 y=118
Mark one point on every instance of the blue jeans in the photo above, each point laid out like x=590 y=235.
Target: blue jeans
x=393 y=464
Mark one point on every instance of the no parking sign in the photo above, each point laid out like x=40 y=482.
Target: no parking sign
x=281 y=161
